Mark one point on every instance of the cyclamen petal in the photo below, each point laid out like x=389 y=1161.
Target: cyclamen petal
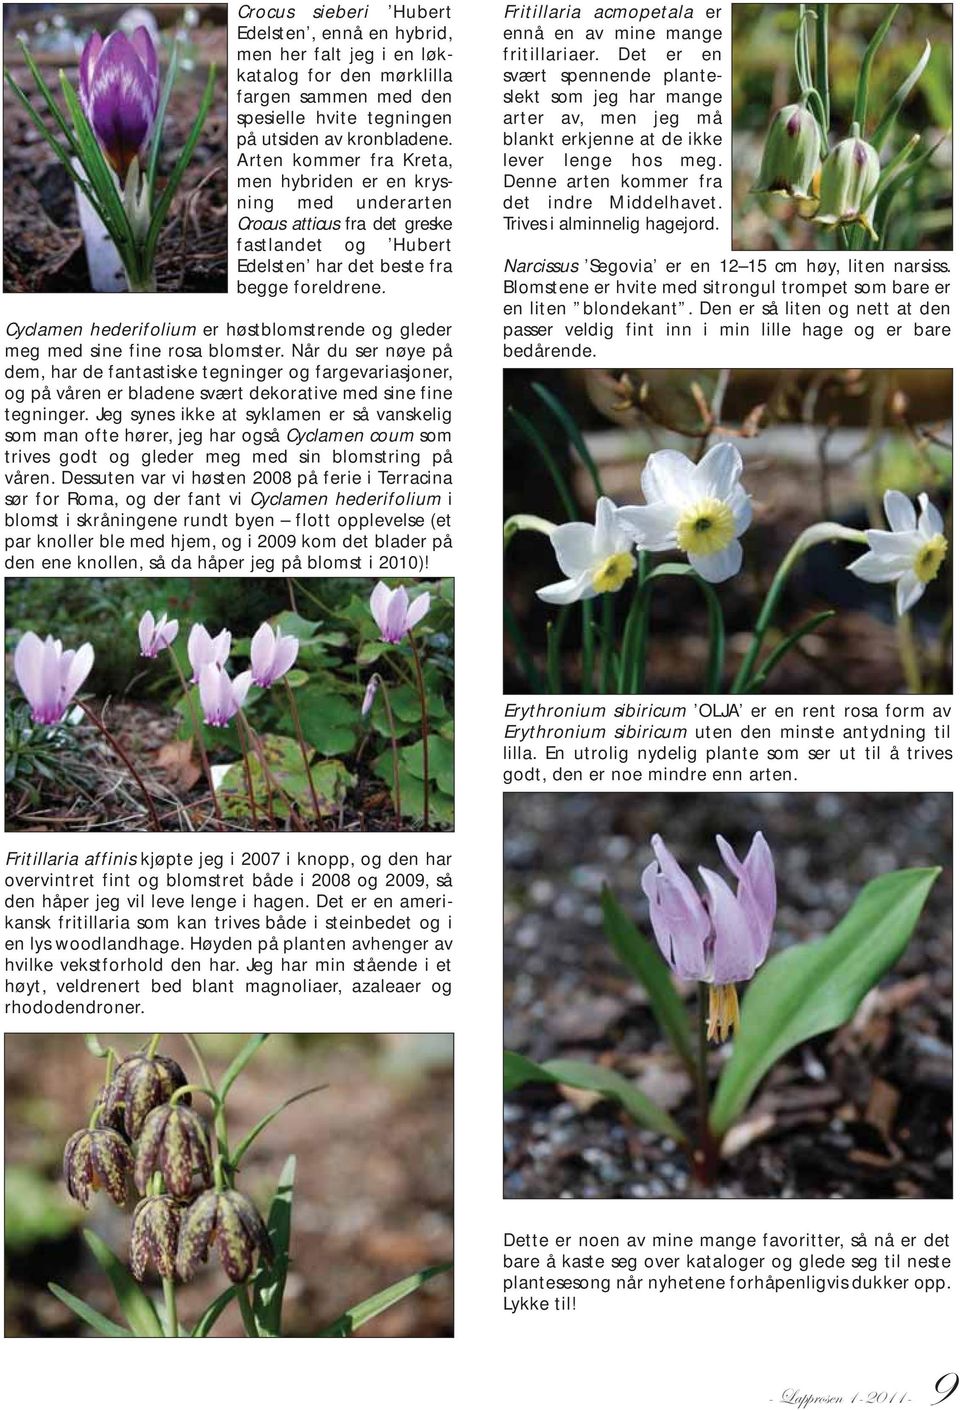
x=49 y=676
x=395 y=614
x=271 y=655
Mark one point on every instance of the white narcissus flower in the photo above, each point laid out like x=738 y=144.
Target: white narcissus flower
x=700 y=509
x=595 y=557
x=910 y=554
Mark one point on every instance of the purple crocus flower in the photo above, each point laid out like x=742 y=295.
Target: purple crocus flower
x=395 y=614
x=220 y=696
x=720 y=939
x=119 y=85
x=369 y=696
x=49 y=676
x=156 y=636
x=271 y=655
x=205 y=650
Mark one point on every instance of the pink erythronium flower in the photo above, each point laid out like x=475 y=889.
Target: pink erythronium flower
x=720 y=939
x=49 y=676
x=119 y=88
x=395 y=614
x=220 y=696
x=156 y=636
x=271 y=655
x=205 y=650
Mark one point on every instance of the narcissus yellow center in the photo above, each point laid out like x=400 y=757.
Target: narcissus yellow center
x=926 y=565
x=613 y=572
x=724 y=1013
x=705 y=527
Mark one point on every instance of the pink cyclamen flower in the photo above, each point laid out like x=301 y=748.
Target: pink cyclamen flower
x=220 y=696
x=719 y=939
x=205 y=650
x=369 y=696
x=395 y=614
x=156 y=636
x=119 y=87
x=49 y=676
x=271 y=655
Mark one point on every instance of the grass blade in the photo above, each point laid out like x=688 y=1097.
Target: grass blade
x=355 y=1317
x=88 y=1314
x=139 y=1311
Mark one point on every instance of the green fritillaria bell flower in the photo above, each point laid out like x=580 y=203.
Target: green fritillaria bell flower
x=848 y=185
x=139 y=1084
x=230 y=1222
x=154 y=1235
x=97 y=1158
x=791 y=155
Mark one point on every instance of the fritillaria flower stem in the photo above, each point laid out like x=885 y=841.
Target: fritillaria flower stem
x=121 y=753
x=198 y=733
x=817 y=533
x=395 y=750
x=170 y=1303
x=424 y=730
x=153 y=1045
x=295 y=717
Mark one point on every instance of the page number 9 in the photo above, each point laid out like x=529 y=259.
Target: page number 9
x=950 y=1380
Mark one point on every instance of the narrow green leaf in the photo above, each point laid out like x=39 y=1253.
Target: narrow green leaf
x=48 y=98
x=243 y=1146
x=176 y=176
x=88 y=1314
x=211 y=1314
x=250 y=1047
x=533 y=435
x=781 y=649
x=158 y=121
x=94 y=1046
x=271 y=1281
x=589 y=1078
x=715 y=629
x=139 y=1311
x=862 y=101
x=891 y=112
x=645 y=963
x=355 y=1317
x=101 y=177
x=57 y=148
x=815 y=987
x=574 y=434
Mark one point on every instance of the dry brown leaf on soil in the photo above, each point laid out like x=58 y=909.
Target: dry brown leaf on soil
x=177 y=761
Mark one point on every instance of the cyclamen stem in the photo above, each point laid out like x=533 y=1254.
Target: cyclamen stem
x=295 y=717
x=424 y=730
x=397 y=802
x=198 y=733
x=258 y=750
x=122 y=754
x=254 y=815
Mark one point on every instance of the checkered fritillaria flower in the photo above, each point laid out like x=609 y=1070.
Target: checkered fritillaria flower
x=229 y=1222
x=154 y=1235
x=97 y=1158
x=139 y=1084
x=174 y=1141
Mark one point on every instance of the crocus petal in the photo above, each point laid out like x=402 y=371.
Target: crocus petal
x=379 y=603
x=667 y=478
x=734 y=957
x=143 y=45
x=573 y=545
x=651 y=526
x=88 y=59
x=578 y=589
x=909 y=591
x=901 y=515
x=418 y=609
x=717 y=567
x=718 y=472
x=122 y=102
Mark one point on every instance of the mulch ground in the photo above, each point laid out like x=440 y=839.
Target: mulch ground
x=864 y=1112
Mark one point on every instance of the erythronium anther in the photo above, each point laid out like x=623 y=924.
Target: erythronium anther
x=49 y=676
x=910 y=554
x=156 y=634
x=700 y=509
x=221 y=697
x=204 y=650
x=720 y=939
x=395 y=614
x=271 y=655
x=119 y=88
x=596 y=557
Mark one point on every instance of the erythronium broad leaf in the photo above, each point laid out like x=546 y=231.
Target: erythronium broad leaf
x=355 y=1317
x=815 y=987
x=518 y=1070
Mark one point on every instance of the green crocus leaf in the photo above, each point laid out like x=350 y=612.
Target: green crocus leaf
x=270 y=1281
x=355 y=1317
x=139 y=1311
x=645 y=964
x=815 y=987
x=89 y=1314
x=518 y=1070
